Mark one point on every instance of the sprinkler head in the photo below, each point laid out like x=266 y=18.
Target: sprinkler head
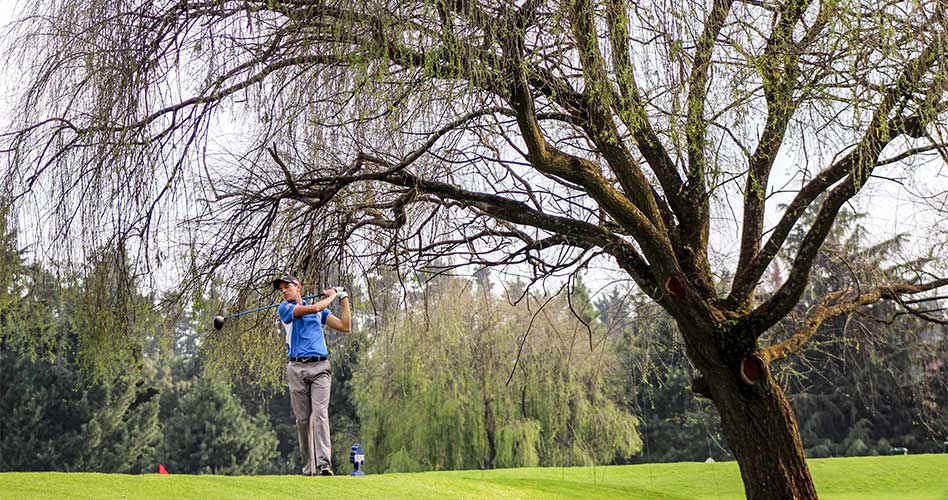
x=218 y=322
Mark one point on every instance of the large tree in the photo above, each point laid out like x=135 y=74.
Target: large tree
x=542 y=133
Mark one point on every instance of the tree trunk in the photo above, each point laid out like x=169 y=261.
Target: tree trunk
x=762 y=432
x=490 y=423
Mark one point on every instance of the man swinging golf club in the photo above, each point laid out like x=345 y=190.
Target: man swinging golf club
x=308 y=370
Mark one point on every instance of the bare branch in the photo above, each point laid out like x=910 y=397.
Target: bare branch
x=825 y=310
x=856 y=168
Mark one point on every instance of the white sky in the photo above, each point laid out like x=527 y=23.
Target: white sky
x=6 y=73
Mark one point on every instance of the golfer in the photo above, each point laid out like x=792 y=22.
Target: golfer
x=308 y=371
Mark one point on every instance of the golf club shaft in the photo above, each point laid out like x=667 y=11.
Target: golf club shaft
x=271 y=306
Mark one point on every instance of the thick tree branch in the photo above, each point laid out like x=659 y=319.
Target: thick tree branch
x=631 y=111
x=853 y=170
x=780 y=70
x=696 y=125
x=548 y=159
x=573 y=232
x=825 y=311
x=599 y=96
x=520 y=213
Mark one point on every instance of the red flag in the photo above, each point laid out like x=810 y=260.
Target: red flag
x=162 y=470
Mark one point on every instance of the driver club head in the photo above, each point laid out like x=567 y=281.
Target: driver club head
x=218 y=322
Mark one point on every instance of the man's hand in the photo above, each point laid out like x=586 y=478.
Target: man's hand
x=343 y=324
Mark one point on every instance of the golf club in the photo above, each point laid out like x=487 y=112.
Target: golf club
x=219 y=320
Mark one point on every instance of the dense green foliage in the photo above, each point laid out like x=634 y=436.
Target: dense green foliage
x=871 y=380
x=82 y=391
x=894 y=478
x=64 y=407
x=211 y=433
x=676 y=425
x=880 y=386
x=469 y=381
x=54 y=421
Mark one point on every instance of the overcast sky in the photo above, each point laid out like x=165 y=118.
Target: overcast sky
x=6 y=15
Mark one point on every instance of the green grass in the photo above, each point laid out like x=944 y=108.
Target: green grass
x=900 y=477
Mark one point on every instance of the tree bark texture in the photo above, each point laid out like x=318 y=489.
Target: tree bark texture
x=762 y=433
x=756 y=418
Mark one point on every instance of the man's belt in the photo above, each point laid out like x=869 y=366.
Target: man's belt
x=309 y=359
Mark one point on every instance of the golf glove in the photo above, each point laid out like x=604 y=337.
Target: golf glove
x=341 y=295
x=339 y=289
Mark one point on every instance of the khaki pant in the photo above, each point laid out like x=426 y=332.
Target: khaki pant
x=309 y=397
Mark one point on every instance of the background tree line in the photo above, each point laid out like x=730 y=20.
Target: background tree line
x=446 y=373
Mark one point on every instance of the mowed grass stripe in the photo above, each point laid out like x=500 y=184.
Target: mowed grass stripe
x=922 y=477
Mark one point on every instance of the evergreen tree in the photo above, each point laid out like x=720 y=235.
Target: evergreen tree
x=211 y=433
x=867 y=383
x=57 y=414
x=69 y=420
x=43 y=414
x=656 y=382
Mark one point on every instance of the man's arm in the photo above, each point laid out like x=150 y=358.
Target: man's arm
x=316 y=308
x=345 y=324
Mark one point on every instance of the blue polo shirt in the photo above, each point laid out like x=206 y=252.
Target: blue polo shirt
x=304 y=335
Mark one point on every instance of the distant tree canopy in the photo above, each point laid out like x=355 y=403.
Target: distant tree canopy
x=61 y=409
x=470 y=381
x=872 y=379
x=85 y=388
x=539 y=133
